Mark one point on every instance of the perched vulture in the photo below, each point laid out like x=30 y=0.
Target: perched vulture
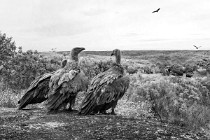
x=38 y=90
x=106 y=89
x=66 y=83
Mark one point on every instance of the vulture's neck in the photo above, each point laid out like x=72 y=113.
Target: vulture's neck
x=74 y=57
x=208 y=76
x=118 y=58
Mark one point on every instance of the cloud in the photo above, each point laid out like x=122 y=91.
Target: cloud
x=104 y=24
x=62 y=29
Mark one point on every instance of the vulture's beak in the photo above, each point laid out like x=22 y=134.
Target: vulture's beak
x=112 y=53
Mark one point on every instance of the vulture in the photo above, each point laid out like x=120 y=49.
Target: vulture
x=106 y=89
x=156 y=10
x=196 y=47
x=66 y=83
x=38 y=89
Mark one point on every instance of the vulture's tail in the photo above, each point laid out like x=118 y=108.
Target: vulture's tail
x=88 y=104
x=25 y=100
x=57 y=100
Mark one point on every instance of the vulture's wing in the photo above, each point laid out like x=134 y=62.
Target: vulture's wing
x=38 y=80
x=113 y=91
x=68 y=86
x=103 y=79
x=53 y=84
x=101 y=84
x=37 y=91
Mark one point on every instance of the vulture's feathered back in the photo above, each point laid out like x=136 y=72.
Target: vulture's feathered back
x=106 y=89
x=66 y=83
x=38 y=90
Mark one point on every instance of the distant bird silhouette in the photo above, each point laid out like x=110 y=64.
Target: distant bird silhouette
x=196 y=47
x=156 y=10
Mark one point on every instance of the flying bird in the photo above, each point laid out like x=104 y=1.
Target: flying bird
x=38 y=89
x=66 y=83
x=106 y=89
x=156 y=10
x=196 y=47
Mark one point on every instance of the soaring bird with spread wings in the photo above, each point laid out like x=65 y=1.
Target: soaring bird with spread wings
x=196 y=47
x=66 y=83
x=38 y=90
x=106 y=89
x=156 y=10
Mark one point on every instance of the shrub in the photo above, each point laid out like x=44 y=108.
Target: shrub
x=93 y=67
x=7 y=48
x=8 y=98
x=177 y=100
x=23 y=68
x=147 y=70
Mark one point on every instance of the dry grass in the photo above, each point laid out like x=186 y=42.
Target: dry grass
x=8 y=98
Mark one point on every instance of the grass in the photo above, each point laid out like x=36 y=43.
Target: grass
x=8 y=98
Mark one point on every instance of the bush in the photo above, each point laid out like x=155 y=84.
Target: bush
x=8 y=98
x=7 y=48
x=178 y=100
x=18 y=68
x=92 y=67
x=23 y=68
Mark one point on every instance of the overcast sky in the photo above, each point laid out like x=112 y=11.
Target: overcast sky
x=106 y=24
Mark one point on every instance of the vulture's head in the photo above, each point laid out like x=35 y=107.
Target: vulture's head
x=117 y=54
x=63 y=63
x=75 y=51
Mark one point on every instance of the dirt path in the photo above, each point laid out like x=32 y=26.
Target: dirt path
x=38 y=125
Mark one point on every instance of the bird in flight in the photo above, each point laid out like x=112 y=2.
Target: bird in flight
x=196 y=46
x=156 y=10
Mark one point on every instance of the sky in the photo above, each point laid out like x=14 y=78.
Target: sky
x=60 y=25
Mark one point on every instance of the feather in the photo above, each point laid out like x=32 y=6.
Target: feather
x=65 y=84
x=38 y=90
x=66 y=91
x=106 y=89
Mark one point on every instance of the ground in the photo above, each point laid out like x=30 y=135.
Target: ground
x=37 y=124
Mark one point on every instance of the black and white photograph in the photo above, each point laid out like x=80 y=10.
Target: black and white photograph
x=104 y=70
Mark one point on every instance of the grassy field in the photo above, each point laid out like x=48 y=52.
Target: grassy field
x=178 y=100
